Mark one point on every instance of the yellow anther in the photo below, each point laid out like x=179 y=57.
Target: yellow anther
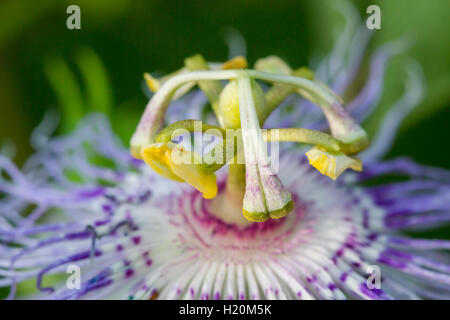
x=152 y=83
x=175 y=162
x=235 y=63
x=332 y=164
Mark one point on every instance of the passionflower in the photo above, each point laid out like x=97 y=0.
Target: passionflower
x=134 y=234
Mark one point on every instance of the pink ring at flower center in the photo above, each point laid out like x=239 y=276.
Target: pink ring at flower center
x=210 y=231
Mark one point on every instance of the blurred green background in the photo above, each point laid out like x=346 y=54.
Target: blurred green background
x=44 y=65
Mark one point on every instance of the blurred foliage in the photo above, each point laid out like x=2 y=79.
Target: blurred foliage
x=68 y=92
x=427 y=25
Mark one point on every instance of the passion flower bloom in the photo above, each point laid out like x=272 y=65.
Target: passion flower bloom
x=136 y=232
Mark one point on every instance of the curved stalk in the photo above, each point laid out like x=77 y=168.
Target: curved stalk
x=302 y=135
x=152 y=119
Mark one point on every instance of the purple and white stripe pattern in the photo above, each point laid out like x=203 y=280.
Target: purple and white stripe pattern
x=83 y=200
